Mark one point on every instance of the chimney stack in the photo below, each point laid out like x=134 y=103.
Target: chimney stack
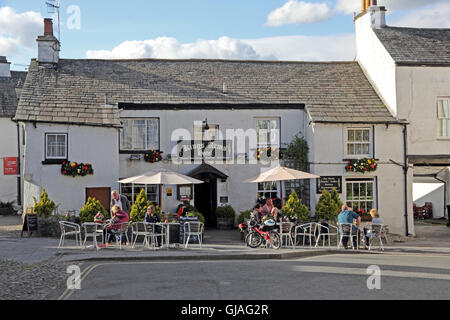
x=48 y=46
x=377 y=14
x=5 y=71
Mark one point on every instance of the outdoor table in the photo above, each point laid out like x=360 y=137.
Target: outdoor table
x=166 y=227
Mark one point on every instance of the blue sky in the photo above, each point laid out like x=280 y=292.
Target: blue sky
x=106 y=25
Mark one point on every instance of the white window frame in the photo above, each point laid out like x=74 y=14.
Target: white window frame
x=263 y=191
x=277 y=143
x=135 y=193
x=443 y=116
x=146 y=142
x=352 y=181
x=47 y=156
x=347 y=142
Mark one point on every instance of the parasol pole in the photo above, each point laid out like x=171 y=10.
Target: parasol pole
x=160 y=197
x=281 y=191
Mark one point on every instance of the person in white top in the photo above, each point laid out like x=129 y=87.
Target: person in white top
x=376 y=220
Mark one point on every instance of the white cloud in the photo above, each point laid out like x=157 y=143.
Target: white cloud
x=299 y=12
x=299 y=48
x=437 y=16
x=307 y=48
x=18 y=31
x=351 y=6
x=170 y=48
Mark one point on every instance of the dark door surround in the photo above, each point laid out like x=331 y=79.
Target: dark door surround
x=205 y=200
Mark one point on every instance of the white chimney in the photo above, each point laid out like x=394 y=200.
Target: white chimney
x=5 y=71
x=48 y=45
x=377 y=16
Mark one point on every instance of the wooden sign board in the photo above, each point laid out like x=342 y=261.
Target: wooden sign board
x=30 y=224
x=329 y=183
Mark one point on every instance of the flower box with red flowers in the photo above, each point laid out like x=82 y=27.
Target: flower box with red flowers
x=76 y=169
x=365 y=216
x=361 y=165
x=153 y=156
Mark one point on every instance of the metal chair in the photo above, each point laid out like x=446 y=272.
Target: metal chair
x=305 y=230
x=346 y=231
x=139 y=229
x=153 y=234
x=192 y=229
x=92 y=229
x=375 y=231
x=119 y=233
x=286 y=232
x=327 y=232
x=69 y=229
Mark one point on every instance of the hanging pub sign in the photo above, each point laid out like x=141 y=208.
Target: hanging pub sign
x=10 y=166
x=205 y=150
x=329 y=183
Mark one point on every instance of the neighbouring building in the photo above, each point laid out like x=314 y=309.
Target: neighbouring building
x=410 y=70
x=10 y=172
x=117 y=114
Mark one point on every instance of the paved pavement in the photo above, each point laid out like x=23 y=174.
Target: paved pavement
x=335 y=277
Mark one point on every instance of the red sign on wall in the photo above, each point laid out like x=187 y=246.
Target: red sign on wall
x=9 y=166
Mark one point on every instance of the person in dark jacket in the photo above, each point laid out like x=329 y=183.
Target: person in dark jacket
x=152 y=217
x=120 y=200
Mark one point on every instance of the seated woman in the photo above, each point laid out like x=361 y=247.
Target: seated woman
x=256 y=214
x=276 y=210
x=118 y=216
x=376 y=220
x=152 y=217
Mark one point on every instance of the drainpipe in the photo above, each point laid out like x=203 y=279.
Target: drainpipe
x=405 y=171
x=19 y=182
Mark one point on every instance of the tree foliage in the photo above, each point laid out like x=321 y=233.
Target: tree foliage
x=329 y=205
x=45 y=206
x=294 y=208
x=139 y=207
x=90 y=209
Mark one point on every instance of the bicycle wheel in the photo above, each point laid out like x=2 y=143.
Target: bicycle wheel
x=254 y=240
x=275 y=240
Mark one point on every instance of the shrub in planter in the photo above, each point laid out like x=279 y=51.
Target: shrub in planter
x=295 y=209
x=49 y=226
x=139 y=207
x=7 y=208
x=90 y=209
x=45 y=206
x=225 y=217
x=245 y=215
x=327 y=208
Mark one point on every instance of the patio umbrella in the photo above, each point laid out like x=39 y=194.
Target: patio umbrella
x=281 y=174
x=161 y=178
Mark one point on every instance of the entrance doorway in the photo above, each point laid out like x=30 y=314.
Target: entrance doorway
x=206 y=200
x=205 y=196
x=103 y=195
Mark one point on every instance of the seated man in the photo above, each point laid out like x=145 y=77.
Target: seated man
x=348 y=216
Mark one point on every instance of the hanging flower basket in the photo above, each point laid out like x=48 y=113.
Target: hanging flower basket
x=76 y=169
x=362 y=165
x=268 y=153
x=153 y=156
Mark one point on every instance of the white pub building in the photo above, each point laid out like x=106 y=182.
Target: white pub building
x=125 y=117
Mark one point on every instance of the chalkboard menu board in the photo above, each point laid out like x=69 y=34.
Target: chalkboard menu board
x=30 y=224
x=329 y=183
x=183 y=220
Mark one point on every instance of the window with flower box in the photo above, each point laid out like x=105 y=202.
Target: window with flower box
x=140 y=134
x=360 y=193
x=357 y=142
x=55 y=146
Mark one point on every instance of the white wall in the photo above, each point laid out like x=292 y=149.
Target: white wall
x=329 y=161
x=376 y=62
x=8 y=148
x=95 y=145
x=418 y=90
x=241 y=196
x=430 y=192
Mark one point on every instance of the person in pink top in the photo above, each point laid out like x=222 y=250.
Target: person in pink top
x=118 y=216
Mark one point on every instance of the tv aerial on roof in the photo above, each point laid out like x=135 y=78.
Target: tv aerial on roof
x=53 y=7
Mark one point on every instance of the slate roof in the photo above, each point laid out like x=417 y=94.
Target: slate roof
x=8 y=98
x=18 y=78
x=417 y=46
x=75 y=91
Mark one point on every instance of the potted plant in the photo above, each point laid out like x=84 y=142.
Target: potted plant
x=45 y=206
x=90 y=209
x=6 y=208
x=295 y=209
x=225 y=217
